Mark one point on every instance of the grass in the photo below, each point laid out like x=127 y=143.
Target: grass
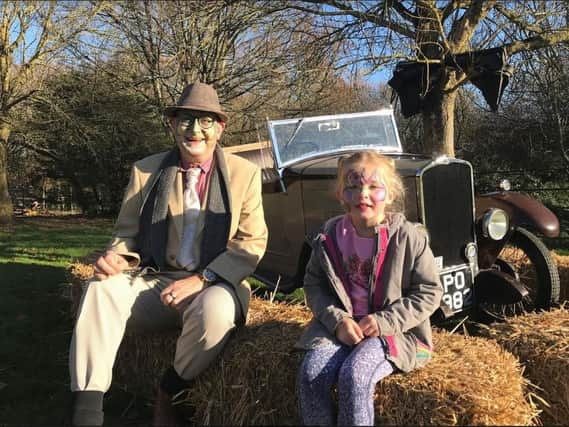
x=261 y=290
x=36 y=324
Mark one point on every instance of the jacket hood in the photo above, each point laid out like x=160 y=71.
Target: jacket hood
x=394 y=221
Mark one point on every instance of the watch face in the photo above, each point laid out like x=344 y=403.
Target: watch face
x=209 y=275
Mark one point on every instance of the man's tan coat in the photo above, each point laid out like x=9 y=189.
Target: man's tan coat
x=248 y=231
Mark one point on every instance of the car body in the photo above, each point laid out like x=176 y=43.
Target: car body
x=472 y=237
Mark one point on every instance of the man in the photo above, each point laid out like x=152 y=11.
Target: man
x=190 y=229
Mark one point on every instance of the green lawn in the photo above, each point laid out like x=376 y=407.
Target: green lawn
x=36 y=324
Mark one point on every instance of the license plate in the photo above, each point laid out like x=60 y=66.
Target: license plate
x=457 y=287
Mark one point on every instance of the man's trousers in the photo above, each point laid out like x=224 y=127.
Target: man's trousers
x=108 y=306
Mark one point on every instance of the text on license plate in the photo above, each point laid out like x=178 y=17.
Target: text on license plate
x=457 y=288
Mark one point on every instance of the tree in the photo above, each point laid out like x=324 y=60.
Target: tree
x=547 y=88
x=88 y=130
x=526 y=141
x=435 y=33
x=247 y=50
x=32 y=35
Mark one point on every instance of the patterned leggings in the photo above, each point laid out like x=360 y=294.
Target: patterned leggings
x=355 y=370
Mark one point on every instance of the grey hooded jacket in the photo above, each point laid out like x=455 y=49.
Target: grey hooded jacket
x=410 y=292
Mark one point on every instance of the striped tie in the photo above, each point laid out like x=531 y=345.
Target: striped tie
x=188 y=256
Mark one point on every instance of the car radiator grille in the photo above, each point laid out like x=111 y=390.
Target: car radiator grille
x=448 y=212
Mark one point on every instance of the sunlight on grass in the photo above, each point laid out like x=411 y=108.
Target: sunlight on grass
x=36 y=321
x=51 y=243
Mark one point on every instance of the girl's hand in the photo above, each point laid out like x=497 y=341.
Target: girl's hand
x=369 y=326
x=349 y=332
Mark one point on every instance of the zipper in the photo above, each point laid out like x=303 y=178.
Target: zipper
x=371 y=280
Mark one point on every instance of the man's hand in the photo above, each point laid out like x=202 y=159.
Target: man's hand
x=369 y=326
x=349 y=332
x=179 y=294
x=109 y=264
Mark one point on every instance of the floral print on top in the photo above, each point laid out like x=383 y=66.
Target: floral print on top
x=357 y=254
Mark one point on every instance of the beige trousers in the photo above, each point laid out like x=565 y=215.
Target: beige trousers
x=108 y=306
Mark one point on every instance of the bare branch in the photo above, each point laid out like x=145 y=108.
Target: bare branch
x=463 y=29
x=51 y=154
x=537 y=42
x=517 y=19
x=346 y=9
x=437 y=16
x=403 y=11
x=19 y=99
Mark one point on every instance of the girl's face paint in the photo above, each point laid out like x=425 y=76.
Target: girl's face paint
x=365 y=194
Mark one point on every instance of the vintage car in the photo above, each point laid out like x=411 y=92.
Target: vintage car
x=485 y=246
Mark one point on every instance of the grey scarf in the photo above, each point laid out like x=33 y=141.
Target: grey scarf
x=152 y=238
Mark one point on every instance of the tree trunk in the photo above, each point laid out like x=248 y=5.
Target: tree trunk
x=438 y=125
x=79 y=195
x=6 y=208
x=438 y=118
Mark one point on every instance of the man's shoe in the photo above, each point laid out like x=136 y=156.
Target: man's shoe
x=87 y=408
x=165 y=414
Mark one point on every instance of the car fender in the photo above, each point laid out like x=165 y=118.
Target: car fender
x=522 y=210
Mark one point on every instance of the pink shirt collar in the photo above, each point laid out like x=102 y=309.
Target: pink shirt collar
x=204 y=166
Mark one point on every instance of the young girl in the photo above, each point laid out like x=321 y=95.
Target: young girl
x=372 y=284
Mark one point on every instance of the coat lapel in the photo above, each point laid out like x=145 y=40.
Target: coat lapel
x=217 y=223
x=176 y=205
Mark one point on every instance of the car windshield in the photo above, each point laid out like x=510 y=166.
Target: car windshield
x=302 y=138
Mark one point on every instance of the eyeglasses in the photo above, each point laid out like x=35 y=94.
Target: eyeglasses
x=205 y=122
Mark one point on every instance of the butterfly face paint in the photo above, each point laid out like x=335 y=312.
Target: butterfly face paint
x=360 y=185
x=365 y=196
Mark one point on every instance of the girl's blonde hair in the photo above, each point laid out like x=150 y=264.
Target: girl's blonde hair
x=392 y=180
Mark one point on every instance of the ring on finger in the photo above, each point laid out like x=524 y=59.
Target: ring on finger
x=172 y=295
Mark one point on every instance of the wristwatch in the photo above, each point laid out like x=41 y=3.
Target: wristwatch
x=208 y=276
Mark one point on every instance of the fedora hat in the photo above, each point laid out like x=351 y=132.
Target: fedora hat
x=197 y=96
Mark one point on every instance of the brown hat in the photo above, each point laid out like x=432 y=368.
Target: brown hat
x=197 y=96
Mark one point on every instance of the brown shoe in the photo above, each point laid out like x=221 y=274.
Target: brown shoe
x=165 y=414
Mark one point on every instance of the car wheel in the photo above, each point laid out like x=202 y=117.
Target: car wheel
x=527 y=259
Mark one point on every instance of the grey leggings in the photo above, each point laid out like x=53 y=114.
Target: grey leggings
x=355 y=371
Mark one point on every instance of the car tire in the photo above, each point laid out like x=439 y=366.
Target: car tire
x=533 y=265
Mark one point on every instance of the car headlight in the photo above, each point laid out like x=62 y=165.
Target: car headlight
x=505 y=185
x=495 y=224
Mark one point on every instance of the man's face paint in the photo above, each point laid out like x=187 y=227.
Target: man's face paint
x=196 y=144
x=364 y=186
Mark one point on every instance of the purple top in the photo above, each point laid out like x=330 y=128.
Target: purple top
x=357 y=254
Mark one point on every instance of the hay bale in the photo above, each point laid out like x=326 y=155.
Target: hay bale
x=142 y=359
x=77 y=273
x=541 y=341
x=254 y=381
x=469 y=381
